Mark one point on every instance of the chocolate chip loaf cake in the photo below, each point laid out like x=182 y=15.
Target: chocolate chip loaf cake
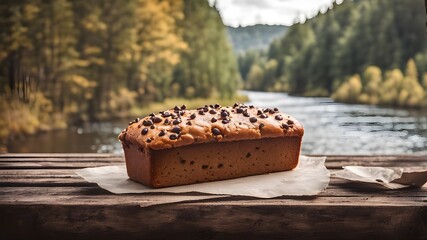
x=182 y=146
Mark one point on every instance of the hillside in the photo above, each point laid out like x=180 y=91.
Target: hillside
x=367 y=38
x=255 y=37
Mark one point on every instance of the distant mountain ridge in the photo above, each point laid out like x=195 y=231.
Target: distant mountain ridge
x=256 y=37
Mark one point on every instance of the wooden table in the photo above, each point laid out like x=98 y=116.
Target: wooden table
x=41 y=197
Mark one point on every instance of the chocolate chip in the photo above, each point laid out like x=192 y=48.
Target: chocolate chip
x=285 y=126
x=225 y=121
x=239 y=110
x=166 y=114
x=266 y=110
x=213 y=120
x=173 y=137
x=224 y=113
x=205 y=109
x=261 y=125
x=176 y=129
x=157 y=120
x=246 y=114
x=189 y=123
x=149 y=140
x=166 y=121
x=193 y=116
x=152 y=127
x=147 y=122
x=290 y=122
x=144 y=131
x=176 y=108
x=235 y=105
x=263 y=116
x=259 y=112
x=201 y=112
x=251 y=106
x=276 y=109
x=216 y=131
x=177 y=121
x=162 y=133
x=278 y=117
x=217 y=105
x=183 y=107
x=212 y=111
x=151 y=114
x=253 y=119
x=205 y=166
x=271 y=111
x=174 y=116
x=134 y=121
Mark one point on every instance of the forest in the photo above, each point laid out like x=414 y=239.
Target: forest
x=69 y=61
x=372 y=52
x=256 y=37
x=64 y=62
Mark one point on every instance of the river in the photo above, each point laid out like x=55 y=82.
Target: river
x=330 y=128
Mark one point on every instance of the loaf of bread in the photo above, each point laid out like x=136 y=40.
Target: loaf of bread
x=210 y=143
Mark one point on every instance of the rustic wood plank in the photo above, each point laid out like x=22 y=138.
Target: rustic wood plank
x=59 y=155
x=54 y=165
x=405 y=161
x=195 y=221
x=92 y=195
x=44 y=198
x=337 y=187
x=54 y=159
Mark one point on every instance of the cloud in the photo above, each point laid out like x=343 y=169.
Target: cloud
x=252 y=3
x=249 y=12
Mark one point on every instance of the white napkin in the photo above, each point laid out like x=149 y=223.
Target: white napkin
x=310 y=177
x=388 y=177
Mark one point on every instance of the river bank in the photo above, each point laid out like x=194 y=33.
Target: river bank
x=330 y=128
x=20 y=121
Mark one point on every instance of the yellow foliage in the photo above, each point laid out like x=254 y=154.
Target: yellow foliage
x=29 y=11
x=121 y=101
x=92 y=50
x=372 y=84
x=155 y=37
x=349 y=91
x=93 y=23
x=395 y=90
x=19 y=118
x=411 y=69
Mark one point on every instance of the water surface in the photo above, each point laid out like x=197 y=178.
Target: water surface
x=330 y=128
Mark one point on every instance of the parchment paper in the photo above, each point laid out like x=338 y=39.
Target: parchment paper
x=310 y=177
x=388 y=177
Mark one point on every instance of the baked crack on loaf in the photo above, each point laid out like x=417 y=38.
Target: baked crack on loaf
x=181 y=146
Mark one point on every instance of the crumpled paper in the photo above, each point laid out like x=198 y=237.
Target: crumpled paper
x=310 y=177
x=387 y=177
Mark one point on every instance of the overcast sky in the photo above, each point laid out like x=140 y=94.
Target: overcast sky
x=250 y=12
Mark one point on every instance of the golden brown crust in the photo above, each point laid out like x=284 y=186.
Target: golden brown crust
x=181 y=127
